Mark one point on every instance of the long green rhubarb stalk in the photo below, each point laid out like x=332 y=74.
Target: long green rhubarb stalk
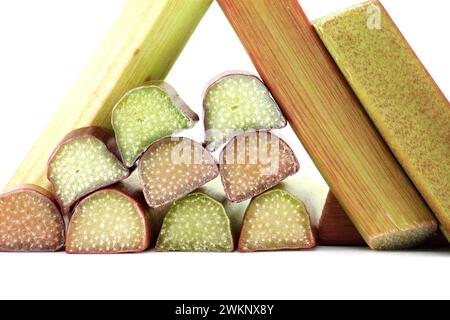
x=350 y=153
x=142 y=45
x=404 y=102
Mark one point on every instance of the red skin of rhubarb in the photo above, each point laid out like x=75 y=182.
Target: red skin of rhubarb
x=336 y=229
x=139 y=205
x=260 y=190
x=157 y=205
x=231 y=74
x=176 y=100
x=89 y=132
x=41 y=192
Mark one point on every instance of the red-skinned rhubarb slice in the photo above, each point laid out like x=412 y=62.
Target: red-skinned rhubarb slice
x=196 y=223
x=252 y=163
x=147 y=114
x=276 y=220
x=30 y=221
x=109 y=221
x=236 y=102
x=174 y=167
x=85 y=161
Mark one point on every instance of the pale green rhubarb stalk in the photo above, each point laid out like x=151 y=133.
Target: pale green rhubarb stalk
x=276 y=220
x=85 y=161
x=30 y=221
x=196 y=223
x=405 y=104
x=110 y=221
x=147 y=114
x=236 y=102
x=174 y=167
x=252 y=163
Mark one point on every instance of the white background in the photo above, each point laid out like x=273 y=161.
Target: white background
x=45 y=44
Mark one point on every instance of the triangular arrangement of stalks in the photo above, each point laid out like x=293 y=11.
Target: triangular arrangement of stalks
x=109 y=221
x=196 y=223
x=252 y=163
x=235 y=103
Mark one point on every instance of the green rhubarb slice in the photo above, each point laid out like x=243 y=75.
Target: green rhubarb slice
x=108 y=221
x=236 y=103
x=196 y=223
x=174 y=167
x=83 y=165
x=253 y=163
x=30 y=222
x=274 y=221
x=147 y=114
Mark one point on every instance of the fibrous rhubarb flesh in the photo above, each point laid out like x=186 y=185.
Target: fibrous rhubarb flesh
x=30 y=221
x=147 y=114
x=276 y=220
x=252 y=163
x=108 y=221
x=142 y=45
x=235 y=103
x=332 y=125
x=174 y=167
x=196 y=223
x=405 y=104
x=84 y=162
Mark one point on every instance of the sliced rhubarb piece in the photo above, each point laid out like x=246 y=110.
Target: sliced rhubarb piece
x=30 y=221
x=108 y=221
x=147 y=114
x=276 y=220
x=236 y=102
x=252 y=163
x=196 y=223
x=85 y=161
x=174 y=167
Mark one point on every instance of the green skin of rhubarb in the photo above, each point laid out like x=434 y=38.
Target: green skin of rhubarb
x=276 y=220
x=196 y=223
x=236 y=102
x=406 y=105
x=147 y=114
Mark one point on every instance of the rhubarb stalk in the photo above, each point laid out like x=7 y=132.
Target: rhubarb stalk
x=350 y=153
x=404 y=102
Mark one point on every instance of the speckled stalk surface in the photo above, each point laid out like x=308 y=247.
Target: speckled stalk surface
x=404 y=102
x=276 y=220
x=174 y=167
x=85 y=161
x=252 y=163
x=236 y=102
x=330 y=122
x=109 y=221
x=196 y=223
x=147 y=114
x=30 y=221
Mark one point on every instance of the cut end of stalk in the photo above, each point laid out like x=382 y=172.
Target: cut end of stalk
x=238 y=102
x=30 y=221
x=274 y=221
x=174 y=167
x=403 y=239
x=83 y=164
x=196 y=223
x=147 y=114
x=109 y=221
x=253 y=163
